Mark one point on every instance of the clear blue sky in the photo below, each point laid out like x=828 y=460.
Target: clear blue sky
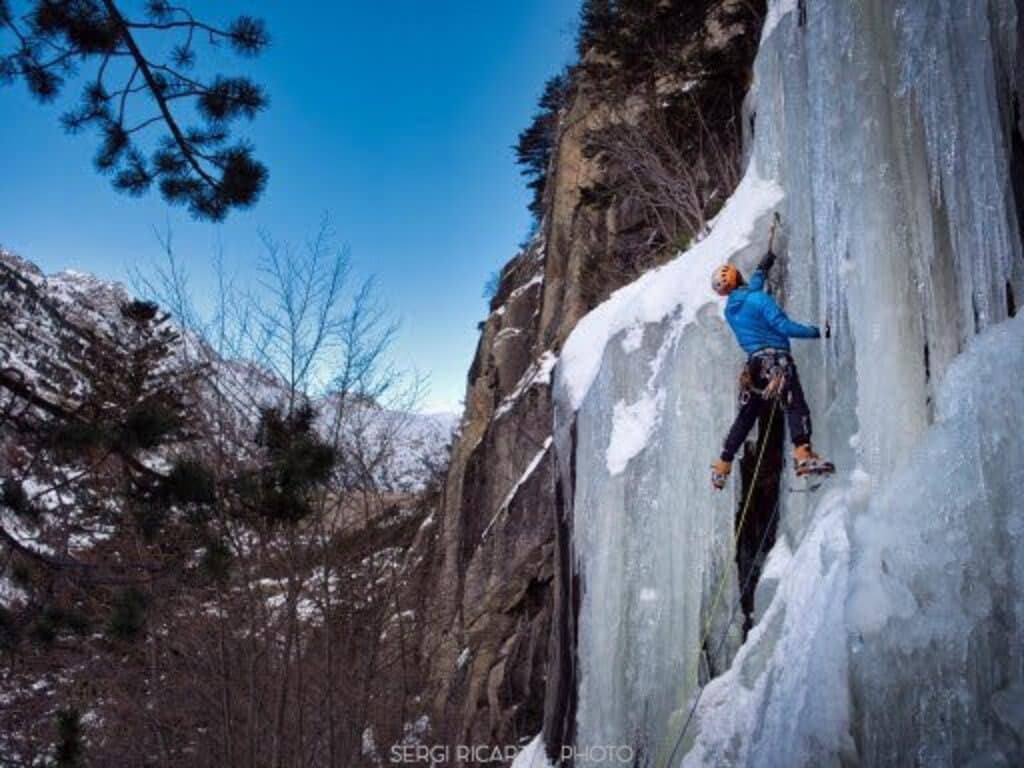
x=396 y=118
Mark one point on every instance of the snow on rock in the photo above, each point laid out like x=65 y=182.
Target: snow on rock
x=532 y=755
x=511 y=495
x=537 y=279
x=632 y=426
x=414 y=732
x=369 y=746
x=537 y=374
x=22 y=532
x=680 y=288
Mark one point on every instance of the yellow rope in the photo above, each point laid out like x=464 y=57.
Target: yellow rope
x=725 y=573
x=743 y=520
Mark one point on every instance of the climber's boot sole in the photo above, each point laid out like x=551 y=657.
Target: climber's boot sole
x=813 y=468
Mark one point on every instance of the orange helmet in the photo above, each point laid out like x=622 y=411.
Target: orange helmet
x=725 y=279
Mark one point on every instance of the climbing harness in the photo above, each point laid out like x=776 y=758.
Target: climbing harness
x=776 y=382
x=721 y=582
x=777 y=376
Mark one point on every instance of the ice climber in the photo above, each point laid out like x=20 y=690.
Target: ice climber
x=764 y=331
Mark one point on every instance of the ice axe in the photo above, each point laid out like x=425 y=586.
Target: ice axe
x=776 y=220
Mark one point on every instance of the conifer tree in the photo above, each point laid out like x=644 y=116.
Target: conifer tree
x=597 y=26
x=140 y=79
x=89 y=452
x=537 y=141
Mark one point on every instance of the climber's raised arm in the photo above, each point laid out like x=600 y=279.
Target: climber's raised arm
x=761 y=274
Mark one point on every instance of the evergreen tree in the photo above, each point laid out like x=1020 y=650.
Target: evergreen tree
x=89 y=447
x=537 y=141
x=69 y=746
x=296 y=463
x=597 y=26
x=131 y=85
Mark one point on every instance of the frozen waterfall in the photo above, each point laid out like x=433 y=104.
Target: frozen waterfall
x=890 y=610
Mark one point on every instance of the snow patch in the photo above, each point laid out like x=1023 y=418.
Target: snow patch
x=537 y=374
x=632 y=427
x=532 y=755
x=535 y=280
x=681 y=286
x=511 y=495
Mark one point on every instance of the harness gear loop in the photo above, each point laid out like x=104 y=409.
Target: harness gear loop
x=725 y=574
x=778 y=375
x=776 y=384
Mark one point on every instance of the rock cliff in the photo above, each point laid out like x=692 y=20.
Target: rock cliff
x=496 y=649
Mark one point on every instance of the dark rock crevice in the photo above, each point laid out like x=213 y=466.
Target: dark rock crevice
x=560 y=701
x=757 y=536
x=504 y=529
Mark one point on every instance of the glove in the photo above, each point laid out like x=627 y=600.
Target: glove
x=767 y=262
x=720 y=473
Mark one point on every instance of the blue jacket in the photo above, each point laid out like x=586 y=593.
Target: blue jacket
x=759 y=322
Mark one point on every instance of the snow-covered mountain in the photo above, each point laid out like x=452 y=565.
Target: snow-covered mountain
x=88 y=521
x=46 y=322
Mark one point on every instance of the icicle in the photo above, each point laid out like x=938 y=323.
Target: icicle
x=888 y=124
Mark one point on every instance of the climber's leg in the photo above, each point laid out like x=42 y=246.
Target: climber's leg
x=750 y=408
x=798 y=417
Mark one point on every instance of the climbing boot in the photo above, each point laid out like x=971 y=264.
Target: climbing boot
x=720 y=473
x=807 y=462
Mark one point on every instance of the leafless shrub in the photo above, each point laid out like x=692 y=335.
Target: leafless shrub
x=305 y=631
x=670 y=177
x=303 y=636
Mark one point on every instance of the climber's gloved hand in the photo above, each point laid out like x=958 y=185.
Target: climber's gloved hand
x=767 y=261
x=720 y=473
x=828 y=330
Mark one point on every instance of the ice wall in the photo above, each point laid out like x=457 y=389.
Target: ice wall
x=893 y=634
x=652 y=373
x=888 y=616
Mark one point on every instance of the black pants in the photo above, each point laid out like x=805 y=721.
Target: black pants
x=760 y=367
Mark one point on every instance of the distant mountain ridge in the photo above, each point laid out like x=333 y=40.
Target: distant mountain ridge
x=187 y=530
x=35 y=341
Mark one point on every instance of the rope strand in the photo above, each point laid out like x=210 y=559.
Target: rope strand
x=725 y=574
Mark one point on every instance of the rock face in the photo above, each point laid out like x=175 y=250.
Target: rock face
x=497 y=646
x=487 y=644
